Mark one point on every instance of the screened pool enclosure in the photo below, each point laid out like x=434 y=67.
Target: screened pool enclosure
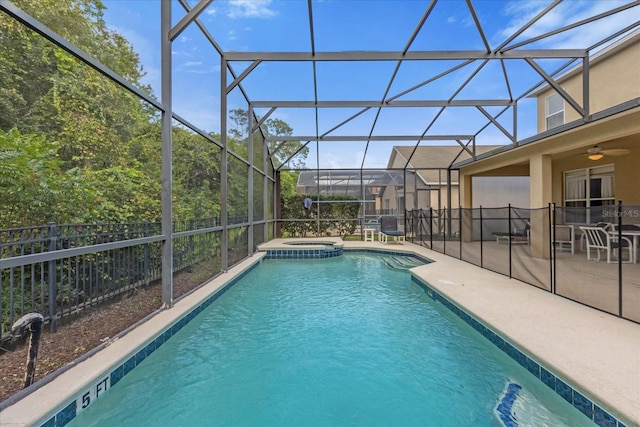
x=176 y=154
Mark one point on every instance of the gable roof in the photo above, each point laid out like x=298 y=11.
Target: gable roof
x=429 y=159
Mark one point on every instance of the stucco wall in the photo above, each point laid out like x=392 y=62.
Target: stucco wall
x=612 y=81
x=626 y=175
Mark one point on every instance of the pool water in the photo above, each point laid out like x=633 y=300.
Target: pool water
x=343 y=341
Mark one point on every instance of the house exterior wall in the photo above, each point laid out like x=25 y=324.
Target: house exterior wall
x=626 y=175
x=418 y=199
x=612 y=81
x=567 y=151
x=425 y=199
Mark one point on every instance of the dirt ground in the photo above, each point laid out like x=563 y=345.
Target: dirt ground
x=80 y=334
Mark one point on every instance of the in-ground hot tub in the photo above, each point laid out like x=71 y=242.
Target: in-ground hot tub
x=303 y=248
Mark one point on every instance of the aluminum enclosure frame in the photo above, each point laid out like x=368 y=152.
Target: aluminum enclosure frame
x=507 y=50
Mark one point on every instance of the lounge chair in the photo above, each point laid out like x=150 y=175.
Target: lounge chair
x=389 y=227
x=599 y=239
x=564 y=235
x=517 y=236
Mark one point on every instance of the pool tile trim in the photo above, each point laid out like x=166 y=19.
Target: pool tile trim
x=303 y=253
x=585 y=405
x=70 y=409
x=330 y=253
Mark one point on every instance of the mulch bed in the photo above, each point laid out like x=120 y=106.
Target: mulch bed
x=81 y=333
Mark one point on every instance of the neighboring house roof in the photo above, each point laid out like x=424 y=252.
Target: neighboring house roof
x=433 y=157
x=348 y=181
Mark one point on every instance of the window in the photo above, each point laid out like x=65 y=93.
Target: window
x=587 y=192
x=554 y=111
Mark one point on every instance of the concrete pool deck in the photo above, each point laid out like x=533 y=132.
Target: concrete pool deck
x=597 y=353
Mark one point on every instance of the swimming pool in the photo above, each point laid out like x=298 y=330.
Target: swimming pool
x=338 y=341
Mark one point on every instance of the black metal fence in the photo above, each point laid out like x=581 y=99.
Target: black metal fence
x=540 y=247
x=57 y=270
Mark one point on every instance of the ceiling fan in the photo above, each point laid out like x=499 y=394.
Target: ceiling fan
x=596 y=153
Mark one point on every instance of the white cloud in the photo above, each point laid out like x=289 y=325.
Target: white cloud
x=192 y=63
x=451 y=20
x=522 y=11
x=184 y=39
x=210 y=70
x=250 y=9
x=211 y=11
x=375 y=157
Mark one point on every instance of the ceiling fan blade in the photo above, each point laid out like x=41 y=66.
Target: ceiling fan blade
x=615 y=152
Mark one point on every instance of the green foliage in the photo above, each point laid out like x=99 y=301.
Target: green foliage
x=335 y=218
x=123 y=195
x=196 y=176
x=37 y=77
x=288 y=183
x=32 y=181
x=281 y=151
x=77 y=148
x=36 y=188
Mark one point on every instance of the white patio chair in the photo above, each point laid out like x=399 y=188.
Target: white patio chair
x=607 y=226
x=599 y=239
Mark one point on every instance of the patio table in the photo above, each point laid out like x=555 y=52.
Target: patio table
x=635 y=234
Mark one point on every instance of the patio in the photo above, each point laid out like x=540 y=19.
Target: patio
x=589 y=282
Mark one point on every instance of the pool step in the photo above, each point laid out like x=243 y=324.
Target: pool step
x=399 y=262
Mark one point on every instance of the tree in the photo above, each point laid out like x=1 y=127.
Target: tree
x=29 y=64
x=36 y=188
x=281 y=151
x=79 y=148
x=32 y=181
x=288 y=183
x=196 y=176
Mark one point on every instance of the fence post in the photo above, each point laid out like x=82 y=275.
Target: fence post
x=146 y=267
x=552 y=244
x=509 y=231
x=631 y=253
x=430 y=228
x=191 y=253
x=53 y=327
x=460 y=228
x=481 y=240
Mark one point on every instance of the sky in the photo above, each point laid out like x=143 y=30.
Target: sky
x=359 y=25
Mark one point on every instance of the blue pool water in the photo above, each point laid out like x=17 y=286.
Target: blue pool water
x=343 y=341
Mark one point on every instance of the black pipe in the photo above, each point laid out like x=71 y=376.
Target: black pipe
x=32 y=324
